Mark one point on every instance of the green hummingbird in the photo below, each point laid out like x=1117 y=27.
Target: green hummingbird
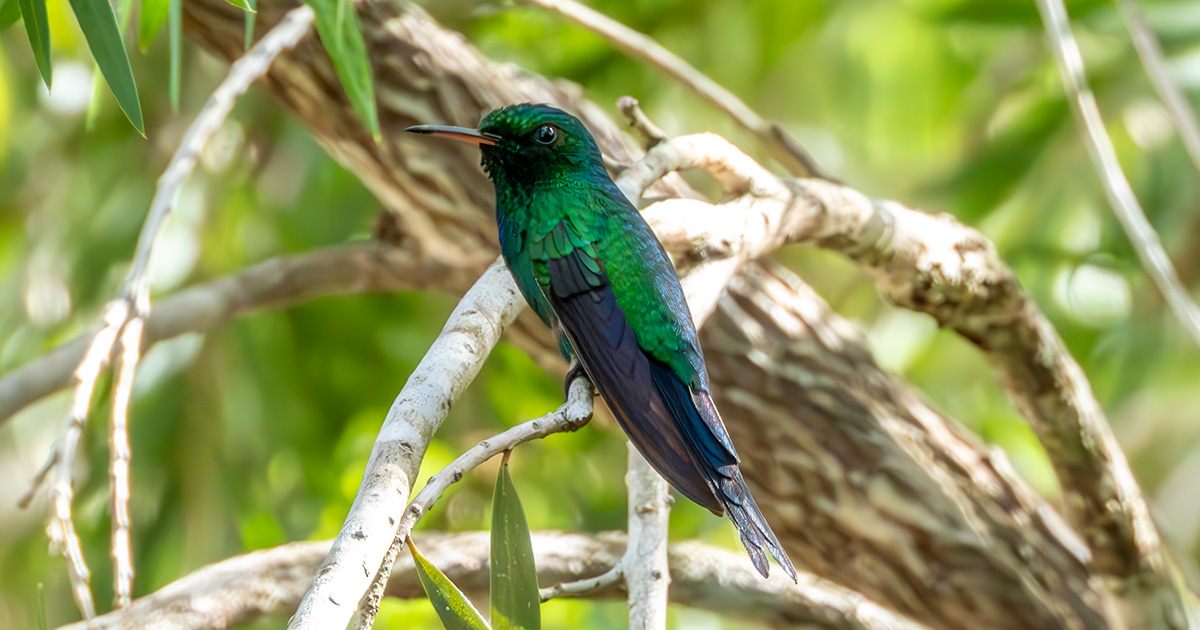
x=591 y=268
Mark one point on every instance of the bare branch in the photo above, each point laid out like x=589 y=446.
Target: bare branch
x=585 y=586
x=447 y=368
x=782 y=145
x=571 y=416
x=119 y=456
x=123 y=319
x=1124 y=203
x=60 y=527
x=651 y=133
x=647 y=574
x=1168 y=90
x=275 y=283
x=270 y=582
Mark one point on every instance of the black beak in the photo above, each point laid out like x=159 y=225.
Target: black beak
x=464 y=134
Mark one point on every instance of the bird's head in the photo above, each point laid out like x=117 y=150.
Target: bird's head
x=526 y=145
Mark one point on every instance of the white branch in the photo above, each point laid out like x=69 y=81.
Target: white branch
x=1124 y=203
x=270 y=582
x=647 y=574
x=123 y=319
x=570 y=416
x=119 y=457
x=442 y=375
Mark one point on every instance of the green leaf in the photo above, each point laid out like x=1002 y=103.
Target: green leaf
x=150 y=22
x=10 y=11
x=244 y=5
x=175 y=43
x=454 y=609
x=349 y=55
x=515 y=600
x=37 y=27
x=248 y=31
x=124 y=14
x=99 y=25
x=41 y=607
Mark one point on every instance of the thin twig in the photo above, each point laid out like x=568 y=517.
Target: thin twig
x=124 y=316
x=119 y=457
x=651 y=133
x=60 y=527
x=571 y=416
x=38 y=479
x=782 y=145
x=1124 y=203
x=1168 y=90
x=585 y=586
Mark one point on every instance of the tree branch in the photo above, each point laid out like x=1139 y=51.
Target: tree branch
x=122 y=322
x=275 y=283
x=270 y=582
x=572 y=415
x=1120 y=194
x=438 y=380
x=1168 y=90
x=782 y=145
x=644 y=564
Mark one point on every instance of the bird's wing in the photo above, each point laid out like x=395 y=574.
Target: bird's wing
x=670 y=419
x=578 y=289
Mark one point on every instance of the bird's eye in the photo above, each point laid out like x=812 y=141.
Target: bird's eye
x=546 y=134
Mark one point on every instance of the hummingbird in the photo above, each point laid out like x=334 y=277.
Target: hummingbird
x=591 y=268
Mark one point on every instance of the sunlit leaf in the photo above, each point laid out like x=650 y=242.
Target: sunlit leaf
x=150 y=22
x=248 y=31
x=349 y=55
x=175 y=43
x=37 y=27
x=454 y=609
x=124 y=13
x=515 y=600
x=41 y=607
x=99 y=25
x=244 y=5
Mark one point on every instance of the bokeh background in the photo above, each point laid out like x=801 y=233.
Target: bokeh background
x=256 y=433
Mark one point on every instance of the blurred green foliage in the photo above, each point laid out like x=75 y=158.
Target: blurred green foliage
x=257 y=432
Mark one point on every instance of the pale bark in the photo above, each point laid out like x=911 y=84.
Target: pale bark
x=270 y=583
x=434 y=386
x=644 y=565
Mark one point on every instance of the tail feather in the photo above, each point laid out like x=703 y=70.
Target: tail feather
x=756 y=534
x=712 y=452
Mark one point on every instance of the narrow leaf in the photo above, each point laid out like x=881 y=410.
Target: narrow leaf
x=124 y=14
x=242 y=4
x=10 y=11
x=515 y=600
x=150 y=22
x=37 y=27
x=41 y=607
x=349 y=55
x=175 y=43
x=454 y=609
x=99 y=25
x=248 y=32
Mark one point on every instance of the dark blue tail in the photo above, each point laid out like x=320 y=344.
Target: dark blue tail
x=712 y=451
